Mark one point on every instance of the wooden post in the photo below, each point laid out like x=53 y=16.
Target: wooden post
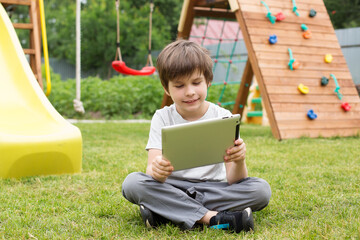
x=243 y=92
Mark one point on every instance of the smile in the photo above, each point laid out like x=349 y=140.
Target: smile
x=190 y=101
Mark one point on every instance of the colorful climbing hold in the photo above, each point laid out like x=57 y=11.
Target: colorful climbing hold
x=311 y=114
x=296 y=64
x=295 y=8
x=280 y=16
x=293 y=64
x=312 y=13
x=269 y=15
x=307 y=34
x=346 y=106
x=328 y=58
x=303 y=89
x=324 y=81
x=304 y=27
x=337 y=86
x=273 y=39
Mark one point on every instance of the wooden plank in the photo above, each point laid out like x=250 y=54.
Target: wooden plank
x=313 y=99
x=306 y=6
x=304 y=107
x=296 y=50
x=299 y=73
x=213 y=13
x=310 y=82
x=296 y=41
x=307 y=81
x=266 y=32
x=316 y=124
x=286 y=11
x=17 y=2
x=292 y=19
x=213 y=3
x=254 y=23
x=302 y=115
x=281 y=64
x=302 y=57
x=278 y=89
x=257 y=71
x=23 y=25
x=314 y=133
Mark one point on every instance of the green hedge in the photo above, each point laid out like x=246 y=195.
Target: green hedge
x=120 y=97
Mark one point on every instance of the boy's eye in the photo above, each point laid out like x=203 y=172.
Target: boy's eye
x=197 y=83
x=179 y=86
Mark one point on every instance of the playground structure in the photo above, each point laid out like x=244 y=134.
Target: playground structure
x=304 y=37
x=34 y=138
x=253 y=112
x=37 y=32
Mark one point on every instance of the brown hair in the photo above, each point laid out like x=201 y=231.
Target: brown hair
x=181 y=59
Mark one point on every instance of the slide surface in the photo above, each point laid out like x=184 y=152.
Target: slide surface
x=34 y=138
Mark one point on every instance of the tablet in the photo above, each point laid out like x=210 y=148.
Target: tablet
x=199 y=143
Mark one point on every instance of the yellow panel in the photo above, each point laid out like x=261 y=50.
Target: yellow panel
x=34 y=138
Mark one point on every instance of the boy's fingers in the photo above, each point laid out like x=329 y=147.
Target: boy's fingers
x=239 y=141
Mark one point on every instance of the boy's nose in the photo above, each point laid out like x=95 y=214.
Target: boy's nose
x=189 y=91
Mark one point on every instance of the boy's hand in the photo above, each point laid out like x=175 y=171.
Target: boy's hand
x=161 y=168
x=236 y=153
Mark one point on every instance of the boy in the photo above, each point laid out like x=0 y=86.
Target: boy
x=222 y=195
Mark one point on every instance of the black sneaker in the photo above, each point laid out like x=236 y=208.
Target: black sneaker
x=233 y=221
x=150 y=219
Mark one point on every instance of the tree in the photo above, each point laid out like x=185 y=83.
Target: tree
x=344 y=13
x=98 y=34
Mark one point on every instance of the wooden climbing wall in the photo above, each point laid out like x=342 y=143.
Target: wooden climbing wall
x=286 y=107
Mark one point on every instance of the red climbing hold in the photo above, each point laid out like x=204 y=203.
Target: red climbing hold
x=280 y=16
x=346 y=106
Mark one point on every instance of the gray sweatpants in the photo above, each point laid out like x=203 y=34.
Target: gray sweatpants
x=184 y=202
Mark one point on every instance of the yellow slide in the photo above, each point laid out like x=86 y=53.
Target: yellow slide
x=34 y=138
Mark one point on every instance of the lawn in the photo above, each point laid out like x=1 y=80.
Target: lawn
x=315 y=190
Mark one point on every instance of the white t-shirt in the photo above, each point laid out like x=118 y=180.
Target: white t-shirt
x=168 y=116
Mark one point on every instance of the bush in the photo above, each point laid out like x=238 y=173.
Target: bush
x=118 y=98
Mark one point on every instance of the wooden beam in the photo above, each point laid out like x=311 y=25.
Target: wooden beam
x=29 y=51
x=186 y=19
x=214 y=13
x=213 y=3
x=23 y=25
x=17 y=2
x=257 y=72
x=243 y=92
x=35 y=60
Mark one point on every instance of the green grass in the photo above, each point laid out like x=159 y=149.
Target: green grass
x=315 y=190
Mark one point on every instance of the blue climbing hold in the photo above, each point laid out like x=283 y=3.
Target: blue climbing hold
x=273 y=39
x=311 y=115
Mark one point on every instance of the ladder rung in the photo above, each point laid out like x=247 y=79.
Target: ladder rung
x=29 y=51
x=17 y=2
x=254 y=114
x=256 y=100
x=23 y=25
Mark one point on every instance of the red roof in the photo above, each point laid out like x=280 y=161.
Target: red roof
x=227 y=31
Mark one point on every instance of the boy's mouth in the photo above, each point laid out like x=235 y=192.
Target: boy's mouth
x=190 y=101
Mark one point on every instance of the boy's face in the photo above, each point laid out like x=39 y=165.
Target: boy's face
x=188 y=94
